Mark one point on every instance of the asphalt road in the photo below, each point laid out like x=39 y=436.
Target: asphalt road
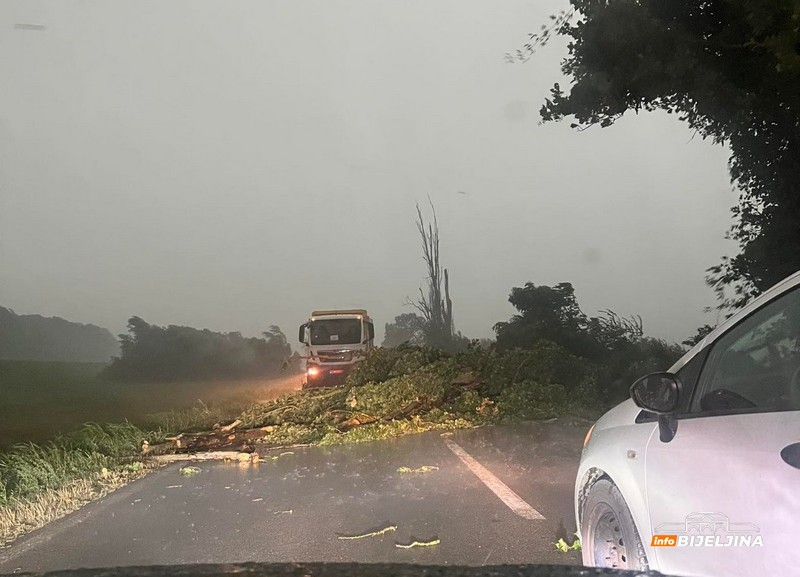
x=500 y=495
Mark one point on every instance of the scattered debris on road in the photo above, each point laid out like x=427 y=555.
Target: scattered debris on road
x=562 y=546
x=418 y=471
x=415 y=543
x=378 y=533
x=189 y=471
x=276 y=457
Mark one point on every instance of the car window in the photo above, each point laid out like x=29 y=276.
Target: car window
x=756 y=365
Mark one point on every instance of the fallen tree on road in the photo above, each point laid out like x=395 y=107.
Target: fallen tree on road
x=406 y=390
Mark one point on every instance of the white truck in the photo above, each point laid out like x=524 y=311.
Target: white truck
x=335 y=340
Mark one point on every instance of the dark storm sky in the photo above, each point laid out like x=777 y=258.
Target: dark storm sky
x=232 y=165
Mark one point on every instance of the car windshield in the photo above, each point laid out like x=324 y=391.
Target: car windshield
x=460 y=284
x=335 y=332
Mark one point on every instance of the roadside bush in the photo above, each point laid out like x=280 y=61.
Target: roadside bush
x=595 y=358
x=629 y=361
x=29 y=469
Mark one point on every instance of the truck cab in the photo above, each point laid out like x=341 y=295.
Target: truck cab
x=334 y=341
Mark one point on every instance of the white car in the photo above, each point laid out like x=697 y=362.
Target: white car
x=699 y=473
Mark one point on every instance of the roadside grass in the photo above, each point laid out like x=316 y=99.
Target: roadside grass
x=28 y=469
x=39 y=483
x=200 y=417
x=43 y=482
x=21 y=516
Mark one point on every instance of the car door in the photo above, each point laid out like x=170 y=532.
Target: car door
x=724 y=494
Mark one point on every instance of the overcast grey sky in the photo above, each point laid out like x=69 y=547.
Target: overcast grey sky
x=232 y=165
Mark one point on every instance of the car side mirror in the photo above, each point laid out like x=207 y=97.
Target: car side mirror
x=301 y=334
x=659 y=393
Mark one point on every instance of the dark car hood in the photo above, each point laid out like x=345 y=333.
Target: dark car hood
x=340 y=570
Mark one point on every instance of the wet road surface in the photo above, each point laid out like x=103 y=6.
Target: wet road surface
x=508 y=501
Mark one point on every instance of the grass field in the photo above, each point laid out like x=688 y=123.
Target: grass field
x=39 y=400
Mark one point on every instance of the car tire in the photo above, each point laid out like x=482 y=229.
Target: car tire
x=608 y=534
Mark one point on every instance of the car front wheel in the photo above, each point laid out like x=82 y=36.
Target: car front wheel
x=609 y=535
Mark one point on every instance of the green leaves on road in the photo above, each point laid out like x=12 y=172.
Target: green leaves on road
x=562 y=546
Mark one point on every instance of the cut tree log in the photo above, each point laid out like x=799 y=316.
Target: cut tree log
x=241 y=441
x=232 y=426
x=206 y=456
x=225 y=455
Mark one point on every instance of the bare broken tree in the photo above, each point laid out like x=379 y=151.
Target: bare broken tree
x=436 y=306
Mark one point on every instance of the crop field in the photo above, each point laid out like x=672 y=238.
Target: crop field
x=39 y=400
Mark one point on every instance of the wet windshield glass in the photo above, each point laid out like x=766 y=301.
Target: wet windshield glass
x=336 y=332
x=371 y=281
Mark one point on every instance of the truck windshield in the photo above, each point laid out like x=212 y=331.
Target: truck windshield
x=335 y=331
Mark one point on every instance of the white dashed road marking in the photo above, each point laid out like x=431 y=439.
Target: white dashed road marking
x=495 y=485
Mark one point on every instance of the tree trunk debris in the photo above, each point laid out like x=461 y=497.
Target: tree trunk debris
x=229 y=441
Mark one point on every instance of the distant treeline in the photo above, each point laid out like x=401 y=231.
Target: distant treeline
x=176 y=353
x=38 y=338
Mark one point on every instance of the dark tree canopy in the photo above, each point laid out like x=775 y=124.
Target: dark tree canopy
x=546 y=313
x=407 y=328
x=702 y=332
x=616 y=346
x=38 y=338
x=731 y=70
x=176 y=353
